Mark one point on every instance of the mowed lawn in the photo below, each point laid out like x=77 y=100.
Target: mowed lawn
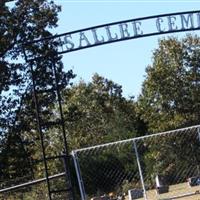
x=174 y=191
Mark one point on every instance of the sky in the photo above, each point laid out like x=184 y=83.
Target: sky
x=123 y=62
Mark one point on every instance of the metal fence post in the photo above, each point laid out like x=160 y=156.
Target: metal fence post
x=198 y=131
x=140 y=170
x=79 y=177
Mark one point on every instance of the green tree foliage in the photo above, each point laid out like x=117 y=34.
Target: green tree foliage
x=22 y=22
x=170 y=100
x=96 y=112
x=169 y=96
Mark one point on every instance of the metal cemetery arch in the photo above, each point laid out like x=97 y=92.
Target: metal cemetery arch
x=164 y=24
x=96 y=36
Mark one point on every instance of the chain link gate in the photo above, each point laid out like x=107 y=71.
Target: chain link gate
x=159 y=166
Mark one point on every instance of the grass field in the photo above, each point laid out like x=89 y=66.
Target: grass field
x=175 y=192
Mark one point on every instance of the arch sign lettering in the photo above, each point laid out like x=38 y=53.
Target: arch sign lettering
x=124 y=30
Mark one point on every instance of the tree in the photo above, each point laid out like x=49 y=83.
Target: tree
x=96 y=112
x=169 y=97
x=25 y=21
x=170 y=100
x=22 y=21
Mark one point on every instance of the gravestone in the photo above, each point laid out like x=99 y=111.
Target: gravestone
x=161 y=186
x=135 y=194
x=194 y=181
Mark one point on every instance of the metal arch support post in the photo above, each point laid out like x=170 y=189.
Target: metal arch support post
x=140 y=169
x=66 y=151
x=79 y=177
x=40 y=131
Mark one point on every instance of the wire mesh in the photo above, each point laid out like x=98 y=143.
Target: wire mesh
x=109 y=169
x=169 y=163
x=174 y=156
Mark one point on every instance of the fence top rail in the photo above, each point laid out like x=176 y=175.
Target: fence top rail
x=135 y=139
x=30 y=183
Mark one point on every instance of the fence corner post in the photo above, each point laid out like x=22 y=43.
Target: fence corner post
x=79 y=177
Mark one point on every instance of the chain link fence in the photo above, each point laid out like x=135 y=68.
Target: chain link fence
x=159 y=166
x=35 y=187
